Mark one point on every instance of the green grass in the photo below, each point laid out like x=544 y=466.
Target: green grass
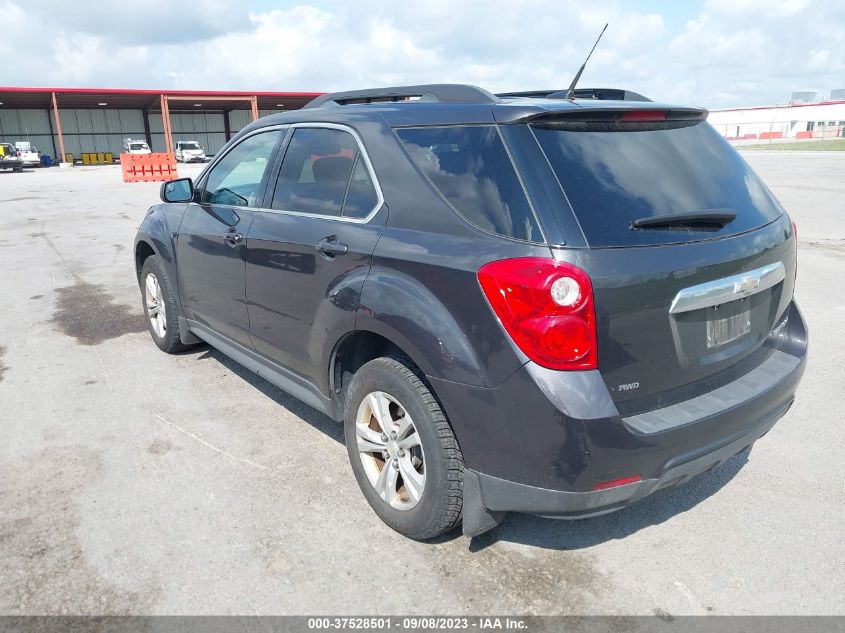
x=831 y=145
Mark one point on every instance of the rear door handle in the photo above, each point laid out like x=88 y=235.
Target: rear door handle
x=330 y=246
x=232 y=237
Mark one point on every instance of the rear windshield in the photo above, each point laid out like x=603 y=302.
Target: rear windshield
x=615 y=177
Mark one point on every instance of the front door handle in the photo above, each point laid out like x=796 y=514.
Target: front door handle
x=330 y=246
x=232 y=237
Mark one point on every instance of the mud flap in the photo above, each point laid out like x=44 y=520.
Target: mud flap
x=185 y=335
x=477 y=519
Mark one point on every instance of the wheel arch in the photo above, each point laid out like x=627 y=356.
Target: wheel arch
x=143 y=250
x=352 y=351
x=357 y=348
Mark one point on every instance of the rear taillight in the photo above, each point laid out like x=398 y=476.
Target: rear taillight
x=546 y=307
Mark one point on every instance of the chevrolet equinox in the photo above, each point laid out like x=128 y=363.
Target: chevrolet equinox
x=534 y=302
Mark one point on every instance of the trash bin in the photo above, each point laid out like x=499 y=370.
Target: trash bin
x=46 y=160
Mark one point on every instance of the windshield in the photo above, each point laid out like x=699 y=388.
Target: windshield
x=615 y=177
x=190 y=146
x=137 y=146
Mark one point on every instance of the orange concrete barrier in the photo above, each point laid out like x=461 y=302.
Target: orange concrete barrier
x=805 y=134
x=771 y=135
x=148 y=167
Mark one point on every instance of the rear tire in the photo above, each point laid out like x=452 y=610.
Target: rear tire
x=405 y=457
x=160 y=308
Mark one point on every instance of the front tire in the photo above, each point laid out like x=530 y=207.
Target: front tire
x=402 y=449
x=160 y=308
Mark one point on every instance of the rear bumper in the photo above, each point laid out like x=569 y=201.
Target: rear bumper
x=510 y=496
x=540 y=442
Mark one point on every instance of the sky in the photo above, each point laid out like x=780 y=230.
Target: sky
x=711 y=53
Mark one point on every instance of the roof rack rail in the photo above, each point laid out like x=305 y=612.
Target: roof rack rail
x=602 y=94
x=438 y=93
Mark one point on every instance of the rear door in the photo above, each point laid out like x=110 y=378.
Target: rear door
x=310 y=248
x=681 y=304
x=211 y=247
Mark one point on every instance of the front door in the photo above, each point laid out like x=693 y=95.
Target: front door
x=211 y=246
x=309 y=253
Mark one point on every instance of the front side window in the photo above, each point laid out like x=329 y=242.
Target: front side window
x=324 y=173
x=472 y=170
x=236 y=179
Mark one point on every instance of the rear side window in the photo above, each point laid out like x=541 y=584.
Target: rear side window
x=324 y=173
x=614 y=177
x=472 y=170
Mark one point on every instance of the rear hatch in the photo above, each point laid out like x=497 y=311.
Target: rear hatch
x=692 y=259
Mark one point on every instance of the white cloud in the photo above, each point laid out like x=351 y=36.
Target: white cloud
x=733 y=52
x=752 y=52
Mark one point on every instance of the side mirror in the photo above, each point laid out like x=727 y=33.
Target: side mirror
x=181 y=190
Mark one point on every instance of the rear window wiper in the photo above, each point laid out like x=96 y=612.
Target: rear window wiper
x=711 y=219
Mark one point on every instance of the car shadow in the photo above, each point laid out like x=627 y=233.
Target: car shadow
x=319 y=421
x=553 y=534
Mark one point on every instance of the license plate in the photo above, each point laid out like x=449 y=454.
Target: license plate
x=723 y=329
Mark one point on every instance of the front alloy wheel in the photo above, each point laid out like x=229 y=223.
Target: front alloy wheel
x=156 y=309
x=160 y=306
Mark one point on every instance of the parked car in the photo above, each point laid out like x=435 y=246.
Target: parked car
x=533 y=304
x=189 y=151
x=134 y=146
x=10 y=157
x=29 y=155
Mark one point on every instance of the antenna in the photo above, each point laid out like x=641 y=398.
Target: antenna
x=570 y=93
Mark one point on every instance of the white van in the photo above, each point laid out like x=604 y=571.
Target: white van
x=189 y=151
x=134 y=146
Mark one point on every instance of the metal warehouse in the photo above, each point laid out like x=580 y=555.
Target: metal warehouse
x=822 y=119
x=62 y=121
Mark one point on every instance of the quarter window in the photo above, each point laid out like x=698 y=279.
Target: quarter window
x=471 y=168
x=324 y=173
x=236 y=179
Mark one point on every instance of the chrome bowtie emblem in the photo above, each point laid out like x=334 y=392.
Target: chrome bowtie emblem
x=746 y=285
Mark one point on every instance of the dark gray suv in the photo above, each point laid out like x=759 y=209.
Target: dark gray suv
x=519 y=302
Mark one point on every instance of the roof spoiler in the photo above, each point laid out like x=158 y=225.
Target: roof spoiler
x=437 y=93
x=605 y=117
x=600 y=94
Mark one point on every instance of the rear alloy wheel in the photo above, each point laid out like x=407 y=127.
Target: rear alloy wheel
x=160 y=306
x=390 y=451
x=403 y=452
